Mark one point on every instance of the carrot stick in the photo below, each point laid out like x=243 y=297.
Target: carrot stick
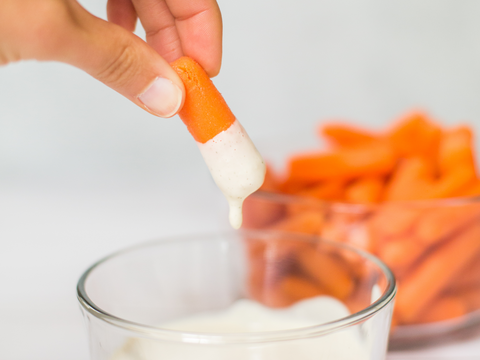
x=298 y=288
x=471 y=297
x=343 y=135
x=451 y=184
x=294 y=186
x=469 y=278
x=456 y=149
x=266 y=269
x=375 y=158
x=260 y=212
x=327 y=271
x=308 y=205
x=441 y=222
x=415 y=135
x=366 y=190
x=274 y=297
x=205 y=112
x=442 y=309
x=263 y=284
x=433 y=274
x=411 y=179
x=308 y=222
x=471 y=190
x=400 y=254
x=393 y=220
x=255 y=248
x=327 y=190
x=341 y=225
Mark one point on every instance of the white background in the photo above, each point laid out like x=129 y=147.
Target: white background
x=83 y=172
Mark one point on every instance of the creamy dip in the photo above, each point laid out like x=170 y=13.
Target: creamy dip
x=246 y=316
x=236 y=167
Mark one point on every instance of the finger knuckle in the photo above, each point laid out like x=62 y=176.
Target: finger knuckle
x=121 y=68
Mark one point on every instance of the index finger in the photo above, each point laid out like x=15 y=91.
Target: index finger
x=199 y=27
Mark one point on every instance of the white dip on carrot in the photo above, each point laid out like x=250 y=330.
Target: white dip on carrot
x=236 y=166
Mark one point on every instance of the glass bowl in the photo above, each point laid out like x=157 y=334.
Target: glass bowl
x=301 y=297
x=432 y=247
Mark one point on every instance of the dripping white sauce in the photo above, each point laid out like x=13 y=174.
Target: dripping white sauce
x=236 y=167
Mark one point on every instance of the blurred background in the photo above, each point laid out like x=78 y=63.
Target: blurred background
x=83 y=172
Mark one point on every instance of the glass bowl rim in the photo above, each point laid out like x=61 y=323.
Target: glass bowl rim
x=359 y=208
x=159 y=333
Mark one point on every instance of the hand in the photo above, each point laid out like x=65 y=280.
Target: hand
x=62 y=30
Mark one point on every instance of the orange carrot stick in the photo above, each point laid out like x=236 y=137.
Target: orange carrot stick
x=400 y=254
x=343 y=135
x=298 y=288
x=273 y=297
x=441 y=222
x=280 y=254
x=456 y=149
x=471 y=190
x=327 y=190
x=415 y=135
x=205 y=112
x=263 y=284
x=301 y=205
x=471 y=297
x=347 y=226
x=259 y=212
x=327 y=271
x=375 y=158
x=469 y=277
x=411 y=179
x=367 y=190
x=255 y=248
x=433 y=274
x=393 y=220
x=308 y=222
x=265 y=272
x=442 y=309
x=451 y=184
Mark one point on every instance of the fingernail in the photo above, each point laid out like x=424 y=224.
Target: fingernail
x=163 y=97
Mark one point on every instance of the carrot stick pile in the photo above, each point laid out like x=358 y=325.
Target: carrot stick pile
x=390 y=193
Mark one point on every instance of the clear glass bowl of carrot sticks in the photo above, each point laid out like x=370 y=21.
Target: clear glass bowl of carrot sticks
x=409 y=195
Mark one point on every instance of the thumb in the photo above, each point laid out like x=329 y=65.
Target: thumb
x=123 y=62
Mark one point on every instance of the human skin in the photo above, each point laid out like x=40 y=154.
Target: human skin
x=62 y=30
